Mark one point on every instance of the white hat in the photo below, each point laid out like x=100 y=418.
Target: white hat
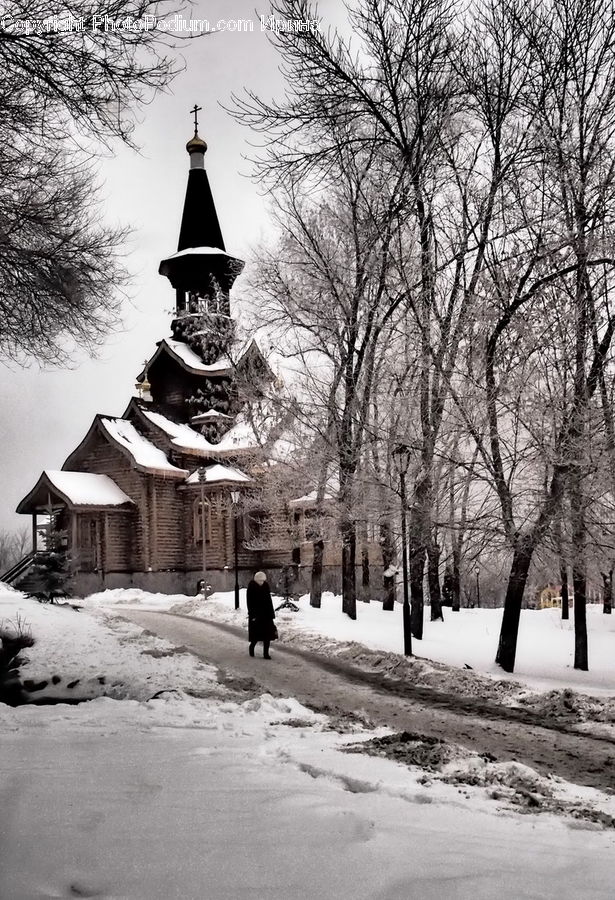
x=260 y=577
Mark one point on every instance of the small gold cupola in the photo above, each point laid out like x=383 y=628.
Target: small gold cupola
x=196 y=146
x=143 y=387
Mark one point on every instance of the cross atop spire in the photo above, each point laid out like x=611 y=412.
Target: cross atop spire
x=196 y=146
x=195 y=110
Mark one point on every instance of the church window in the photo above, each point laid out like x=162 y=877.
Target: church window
x=257 y=522
x=86 y=533
x=201 y=515
x=84 y=548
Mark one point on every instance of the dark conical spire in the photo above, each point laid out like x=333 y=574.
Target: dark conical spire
x=200 y=226
x=201 y=271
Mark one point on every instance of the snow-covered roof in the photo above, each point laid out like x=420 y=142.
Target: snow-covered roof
x=218 y=473
x=88 y=488
x=188 y=360
x=182 y=436
x=310 y=499
x=208 y=416
x=240 y=437
x=145 y=455
x=193 y=362
x=75 y=489
x=199 y=251
x=331 y=492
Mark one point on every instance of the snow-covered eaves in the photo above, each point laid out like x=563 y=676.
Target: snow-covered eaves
x=188 y=360
x=310 y=499
x=191 y=362
x=146 y=456
x=240 y=437
x=74 y=489
x=212 y=415
x=198 y=251
x=182 y=436
x=219 y=474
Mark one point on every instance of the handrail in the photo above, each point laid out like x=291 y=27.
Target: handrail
x=18 y=568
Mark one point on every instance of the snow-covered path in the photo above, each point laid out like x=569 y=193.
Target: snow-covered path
x=167 y=784
x=338 y=689
x=226 y=810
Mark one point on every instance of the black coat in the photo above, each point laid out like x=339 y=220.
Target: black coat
x=260 y=612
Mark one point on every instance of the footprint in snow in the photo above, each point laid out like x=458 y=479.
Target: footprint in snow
x=81 y=889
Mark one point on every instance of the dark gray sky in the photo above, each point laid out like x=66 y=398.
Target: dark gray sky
x=45 y=413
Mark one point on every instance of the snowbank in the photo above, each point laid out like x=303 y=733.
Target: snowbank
x=187 y=796
x=465 y=639
x=78 y=656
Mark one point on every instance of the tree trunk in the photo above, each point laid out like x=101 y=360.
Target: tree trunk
x=579 y=583
x=388 y=558
x=316 y=589
x=420 y=538
x=447 y=587
x=578 y=533
x=433 y=577
x=365 y=574
x=417 y=571
x=607 y=596
x=349 y=586
x=507 y=647
x=348 y=526
x=456 y=585
x=563 y=572
x=563 y=568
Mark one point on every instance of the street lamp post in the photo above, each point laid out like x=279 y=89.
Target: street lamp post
x=477 y=588
x=401 y=458
x=235 y=500
x=202 y=475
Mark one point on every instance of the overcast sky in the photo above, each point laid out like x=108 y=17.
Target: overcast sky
x=45 y=413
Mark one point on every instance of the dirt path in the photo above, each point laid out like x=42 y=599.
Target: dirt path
x=339 y=689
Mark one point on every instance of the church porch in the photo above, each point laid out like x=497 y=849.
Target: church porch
x=88 y=516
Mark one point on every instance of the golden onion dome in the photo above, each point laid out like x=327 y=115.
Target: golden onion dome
x=196 y=145
x=143 y=387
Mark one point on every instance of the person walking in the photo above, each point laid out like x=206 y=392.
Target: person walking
x=260 y=614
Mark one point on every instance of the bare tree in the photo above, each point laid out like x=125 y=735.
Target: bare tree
x=445 y=103
x=328 y=290
x=70 y=73
x=69 y=84
x=572 y=123
x=12 y=547
x=504 y=128
x=401 y=84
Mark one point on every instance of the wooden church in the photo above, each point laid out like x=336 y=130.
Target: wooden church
x=155 y=497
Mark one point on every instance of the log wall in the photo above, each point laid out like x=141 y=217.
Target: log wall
x=128 y=534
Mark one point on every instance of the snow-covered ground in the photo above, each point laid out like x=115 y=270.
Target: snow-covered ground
x=197 y=794
x=545 y=651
